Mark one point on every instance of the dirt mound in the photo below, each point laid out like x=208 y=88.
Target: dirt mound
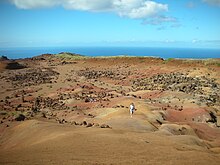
x=175 y=129
x=57 y=144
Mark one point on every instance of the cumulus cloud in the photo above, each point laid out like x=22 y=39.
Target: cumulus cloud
x=32 y=4
x=138 y=8
x=87 y=5
x=135 y=9
x=212 y=2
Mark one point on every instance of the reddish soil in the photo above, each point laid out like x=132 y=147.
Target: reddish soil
x=76 y=111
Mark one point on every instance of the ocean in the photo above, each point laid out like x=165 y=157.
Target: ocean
x=192 y=53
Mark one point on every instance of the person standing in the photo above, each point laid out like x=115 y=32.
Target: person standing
x=132 y=109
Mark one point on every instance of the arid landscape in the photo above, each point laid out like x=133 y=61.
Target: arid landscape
x=71 y=109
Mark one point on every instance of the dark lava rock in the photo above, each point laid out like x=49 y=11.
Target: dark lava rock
x=32 y=76
x=89 y=125
x=84 y=123
x=15 y=65
x=3 y=58
x=104 y=126
x=20 y=117
x=62 y=121
x=87 y=100
x=181 y=83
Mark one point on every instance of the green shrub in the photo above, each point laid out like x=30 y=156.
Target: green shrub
x=170 y=59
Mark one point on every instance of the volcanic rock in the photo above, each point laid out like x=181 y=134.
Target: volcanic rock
x=104 y=126
x=20 y=117
x=89 y=125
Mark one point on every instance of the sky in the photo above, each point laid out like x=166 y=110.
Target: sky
x=144 y=23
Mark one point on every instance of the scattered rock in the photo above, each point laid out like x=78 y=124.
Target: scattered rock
x=28 y=77
x=181 y=83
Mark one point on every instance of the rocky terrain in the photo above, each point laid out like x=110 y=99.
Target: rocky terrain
x=71 y=109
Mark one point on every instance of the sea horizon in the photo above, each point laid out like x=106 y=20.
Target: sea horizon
x=96 y=51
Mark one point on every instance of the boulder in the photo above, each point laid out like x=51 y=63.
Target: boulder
x=20 y=117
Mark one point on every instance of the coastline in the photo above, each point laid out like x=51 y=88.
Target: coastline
x=165 y=53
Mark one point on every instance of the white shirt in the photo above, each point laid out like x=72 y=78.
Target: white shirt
x=131 y=108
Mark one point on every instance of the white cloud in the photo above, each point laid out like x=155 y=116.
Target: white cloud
x=157 y=20
x=138 y=8
x=212 y=2
x=87 y=5
x=135 y=9
x=31 y=4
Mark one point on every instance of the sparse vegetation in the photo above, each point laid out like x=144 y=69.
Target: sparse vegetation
x=211 y=62
x=73 y=56
x=167 y=60
x=170 y=59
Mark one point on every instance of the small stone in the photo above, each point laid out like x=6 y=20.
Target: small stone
x=104 y=126
x=84 y=123
x=89 y=125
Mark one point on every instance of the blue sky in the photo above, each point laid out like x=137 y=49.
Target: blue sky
x=159 y=23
